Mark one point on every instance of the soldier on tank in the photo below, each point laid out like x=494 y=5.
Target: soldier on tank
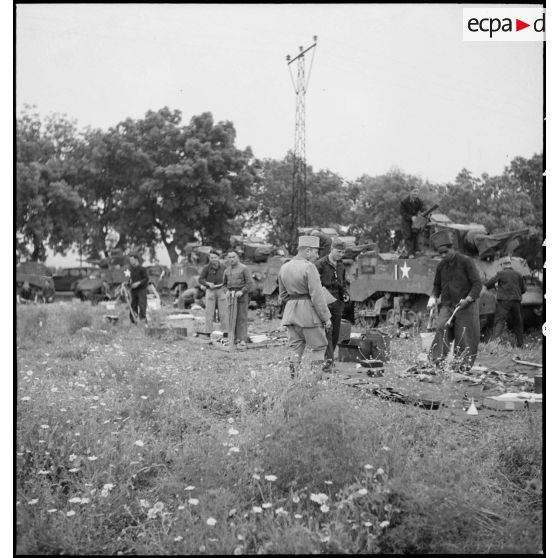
x=411 y=206
x=457 y=283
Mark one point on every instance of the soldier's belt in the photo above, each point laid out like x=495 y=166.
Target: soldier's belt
x=299 y=297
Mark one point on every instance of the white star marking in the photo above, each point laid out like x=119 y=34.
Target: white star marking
x=127 y=272
x=405 y=269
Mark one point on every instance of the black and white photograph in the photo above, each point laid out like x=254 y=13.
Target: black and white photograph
x=279 y=279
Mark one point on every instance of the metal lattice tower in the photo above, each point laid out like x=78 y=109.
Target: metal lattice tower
x=299 y=196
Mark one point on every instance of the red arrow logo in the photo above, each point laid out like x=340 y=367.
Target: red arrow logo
x=519 y=25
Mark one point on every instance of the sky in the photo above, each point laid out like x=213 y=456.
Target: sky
x=390 y=85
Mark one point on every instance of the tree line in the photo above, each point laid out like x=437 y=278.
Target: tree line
x=159 y=180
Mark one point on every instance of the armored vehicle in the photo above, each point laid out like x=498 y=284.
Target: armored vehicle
x=34 y=282
x=385 y=287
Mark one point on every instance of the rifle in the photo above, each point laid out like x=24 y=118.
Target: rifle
x=420 y=220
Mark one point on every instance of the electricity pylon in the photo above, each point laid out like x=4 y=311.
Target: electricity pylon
x=299 y=196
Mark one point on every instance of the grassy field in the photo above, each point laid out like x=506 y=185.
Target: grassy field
x=129 y=444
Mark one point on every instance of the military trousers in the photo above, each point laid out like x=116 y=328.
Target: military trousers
x=215 y=298
x=464 y=332
x=509 y=311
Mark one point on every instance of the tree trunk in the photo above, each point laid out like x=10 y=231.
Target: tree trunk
x=171 y=249
x=39 y=252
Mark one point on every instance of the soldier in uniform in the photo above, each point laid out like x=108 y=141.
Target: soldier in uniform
x=325 y=243
x=211 y=277
x=412 y=205
x=511 y=286
x=306 y=314
x=457 y=283
x=238 y=281
x=332 y=276
x=138 y=285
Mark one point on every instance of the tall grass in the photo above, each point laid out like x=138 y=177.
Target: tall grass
x=135 y=445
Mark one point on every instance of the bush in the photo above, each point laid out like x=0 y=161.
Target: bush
x=77 y=319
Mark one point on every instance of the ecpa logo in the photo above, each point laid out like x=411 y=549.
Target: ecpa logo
x=503 y=24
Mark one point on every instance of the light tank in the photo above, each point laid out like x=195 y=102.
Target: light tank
x=387 y=288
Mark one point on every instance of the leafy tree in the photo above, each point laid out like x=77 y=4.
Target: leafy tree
x=328 y=199
x=180 y=182
x=377 y=200
x=48 y=206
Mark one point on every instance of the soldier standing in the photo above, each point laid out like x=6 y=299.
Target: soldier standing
x=238 y=281
x=138 y=285
x=211 y=277
x=457 y=283
x=410 y=207
x=332 y=276
x=306 y=314
x=511 y=286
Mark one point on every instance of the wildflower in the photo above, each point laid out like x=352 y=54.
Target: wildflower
x=70 y=513
x=85 y=501
x=62 y=410
x=256 y=509
x=161 y=391
x=43 y=472
x=181 y=508
x=234 y=449
x=324 y=508
x=211 y=521
x=74 y=470
x=202 y=547
x=281 y=511
x=320 y=498
x=144 y=396
x=233 y=432
x=240 y=537
x=232 y=512
x=52 y=510
x=324 y=538
x=385 y=448
x=368 y=466
x=106 y=489
x=380 y=471
x=26 y=398
x=230 y=420
x=328 y=482
x=298 y=516
x=363 y=491
x=367 y=524
x=256 y=476
x=384 y=524
x=270 y=478
x=33 y=502
x=144 y=503
x=190 y=487
x=92 y=458
x=296 y=499
x=266 y=506
x=138 y=443
x=178 y=539
x=72 y=457
x=75 y=500
x=93 y=491
x=45 y=426
x=193 y=501
x=237 y=551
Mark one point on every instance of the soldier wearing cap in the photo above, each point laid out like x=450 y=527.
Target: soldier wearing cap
x=138 y=286
x=457 y=283
x=332 y=276
x=412 y=205
x=306 y=315
x=511 y=286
